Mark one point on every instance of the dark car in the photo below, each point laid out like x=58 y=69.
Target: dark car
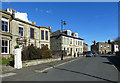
x=95 y=54
x=89 y=54
x=110 y=53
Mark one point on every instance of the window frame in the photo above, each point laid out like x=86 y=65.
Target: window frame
x=33 y=33
x=41 y=45
x=68 y=50
x=64 y=40
x=21 y=26
x=70 y=41
x=5 y=46
x=42 y=35
x=76 y=42
x=5 y=20
x=47 y=35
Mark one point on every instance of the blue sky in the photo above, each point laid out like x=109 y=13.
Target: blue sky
x=92 y=20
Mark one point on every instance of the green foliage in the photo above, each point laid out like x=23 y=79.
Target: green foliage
x=32 y=52
x=46 y=53
x=6 y=61
x=118 y=53
x=17 y=46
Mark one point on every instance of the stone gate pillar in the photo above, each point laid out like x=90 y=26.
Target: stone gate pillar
x=17 y=58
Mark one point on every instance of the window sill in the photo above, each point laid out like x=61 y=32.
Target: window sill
x=5 y=53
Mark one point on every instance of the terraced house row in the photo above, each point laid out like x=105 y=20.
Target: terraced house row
x=67 y=41
x=16 y=31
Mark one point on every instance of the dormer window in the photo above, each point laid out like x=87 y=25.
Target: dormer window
x=68 y=33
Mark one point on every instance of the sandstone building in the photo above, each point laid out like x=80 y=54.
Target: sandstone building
x=101 y=47
x=15 y=31
x=66 y=41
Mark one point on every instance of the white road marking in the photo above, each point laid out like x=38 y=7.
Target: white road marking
x=54 y=66
x=7 y=74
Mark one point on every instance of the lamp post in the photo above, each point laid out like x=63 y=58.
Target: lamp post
x=62 y=23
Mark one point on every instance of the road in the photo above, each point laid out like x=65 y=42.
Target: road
x=79 y=69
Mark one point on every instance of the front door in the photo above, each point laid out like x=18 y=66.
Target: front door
x=71 y=51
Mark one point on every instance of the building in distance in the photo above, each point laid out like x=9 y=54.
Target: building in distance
x=66 y=41
x=85 y=47
x=101 y=47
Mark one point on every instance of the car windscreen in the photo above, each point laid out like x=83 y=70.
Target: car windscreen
x=89 y=53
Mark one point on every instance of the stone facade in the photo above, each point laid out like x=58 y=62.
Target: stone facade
x=67 y=42
x=22 y=33
x=101 y=47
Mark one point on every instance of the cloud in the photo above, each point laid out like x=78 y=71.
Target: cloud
x=45 y=11
x=22 y=16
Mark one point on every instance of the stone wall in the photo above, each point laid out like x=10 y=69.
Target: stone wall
x=40 y=61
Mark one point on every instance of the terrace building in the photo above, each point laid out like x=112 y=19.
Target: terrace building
x=15 y=31
x=66 y=41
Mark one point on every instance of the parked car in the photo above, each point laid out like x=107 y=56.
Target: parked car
x=89 y=54
x=110 y=53
x=95 y=54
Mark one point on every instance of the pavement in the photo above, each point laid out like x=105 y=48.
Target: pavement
x=97 y=69
x=10 y=69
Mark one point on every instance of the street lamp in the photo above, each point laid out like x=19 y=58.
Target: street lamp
x=62 y=23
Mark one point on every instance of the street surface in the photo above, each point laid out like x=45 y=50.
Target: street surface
x=81 y=69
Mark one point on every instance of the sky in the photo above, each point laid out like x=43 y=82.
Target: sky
x=92 y=20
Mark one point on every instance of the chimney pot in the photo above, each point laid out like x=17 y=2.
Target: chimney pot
x=34 y=22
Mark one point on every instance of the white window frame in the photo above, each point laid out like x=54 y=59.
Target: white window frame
x=7 y=46
x=104 y=46
x=41 y=45
x=67 y=40
x=64 y=40
x=6 y=20
x=81 y=49
x=76 y=42
x=70 y=41
x=23 y=29
x=68 y=50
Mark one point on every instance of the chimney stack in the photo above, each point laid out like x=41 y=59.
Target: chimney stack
x=108 y=41
x=94 y=42
x=34 y=23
